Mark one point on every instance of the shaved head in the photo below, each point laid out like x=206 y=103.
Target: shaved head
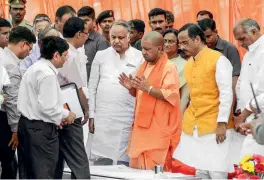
x=152 y=46
x=155 y=37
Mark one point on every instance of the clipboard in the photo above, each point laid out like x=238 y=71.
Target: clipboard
x=71 y=99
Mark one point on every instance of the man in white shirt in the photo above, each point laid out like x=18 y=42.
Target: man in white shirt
x=247 y=33
x=41 y=21
x=9 y=170
x=41 y=105
x=205 y=139
x=20 y=43
x=34 y=55
x=63 y=13
x=6 y=152
x=75 y=32
x=5 y=29
x=111 y=107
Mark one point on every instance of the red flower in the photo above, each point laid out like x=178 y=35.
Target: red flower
x=258 y=158
x=243 y=176
x=239 y=171
x=259 y=168
x=254 y=177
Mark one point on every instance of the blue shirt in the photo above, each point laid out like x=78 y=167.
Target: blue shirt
x=33 y=57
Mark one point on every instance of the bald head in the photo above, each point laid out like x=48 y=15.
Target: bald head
x=152 y=46
x=155 y=37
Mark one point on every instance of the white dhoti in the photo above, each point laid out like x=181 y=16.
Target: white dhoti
x=111 y=104
x=204 y=153
x=250 y=147
x=113 y=120
x=236 y=147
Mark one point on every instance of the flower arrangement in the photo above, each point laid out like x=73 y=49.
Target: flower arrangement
x=251 y=167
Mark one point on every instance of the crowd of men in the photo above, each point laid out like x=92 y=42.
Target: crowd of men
x=176 y=98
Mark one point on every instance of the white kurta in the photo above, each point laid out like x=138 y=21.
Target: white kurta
x=252 y=71
x=110 y=104
x=203 y=152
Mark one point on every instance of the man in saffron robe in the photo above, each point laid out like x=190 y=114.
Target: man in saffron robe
x=157 y=126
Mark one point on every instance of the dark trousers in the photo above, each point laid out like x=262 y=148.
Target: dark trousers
x=73 y=151
x=38 y=149
x=108 y=162
x=7 y=155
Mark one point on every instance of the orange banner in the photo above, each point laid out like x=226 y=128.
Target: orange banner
x=226 y=12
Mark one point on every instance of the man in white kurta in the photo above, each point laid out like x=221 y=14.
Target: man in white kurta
x=252 y=72
x=111 y=107
x=205 y=139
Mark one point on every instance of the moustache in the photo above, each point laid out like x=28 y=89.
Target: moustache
x=183 y=50
x=117 y=46
x=158 y=29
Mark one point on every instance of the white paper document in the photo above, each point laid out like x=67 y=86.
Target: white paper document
x=71 y=98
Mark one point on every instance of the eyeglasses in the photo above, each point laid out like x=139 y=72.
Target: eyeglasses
x=185 y=43
x=30 y=46
x=86 y=33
